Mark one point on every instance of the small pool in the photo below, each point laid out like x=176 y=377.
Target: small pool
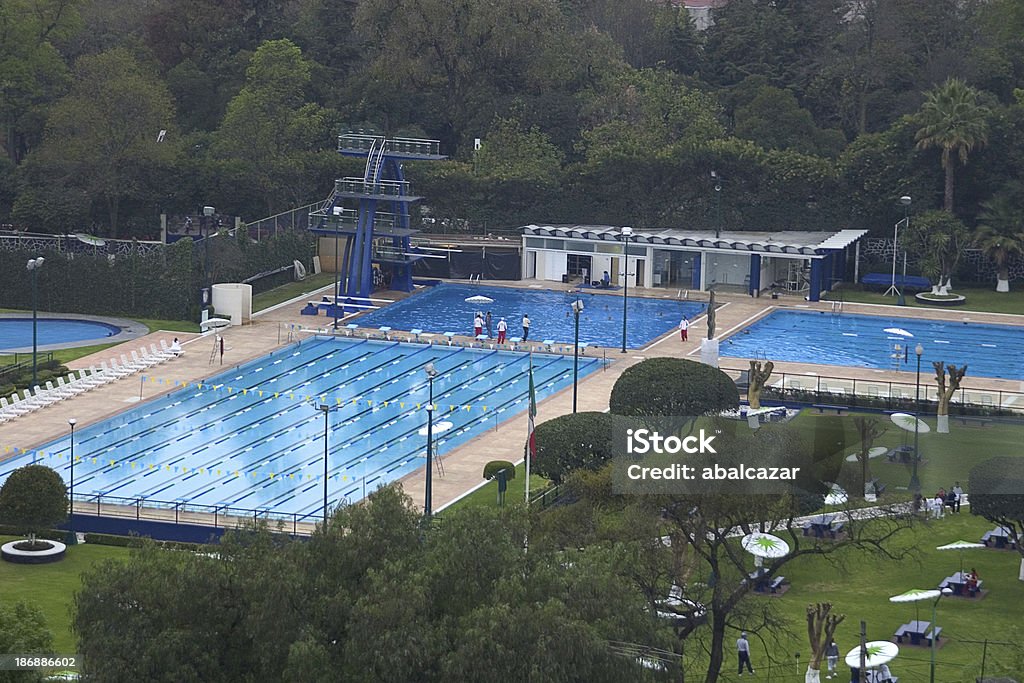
x=861 y=341
x=444 y=309
x=16 y=333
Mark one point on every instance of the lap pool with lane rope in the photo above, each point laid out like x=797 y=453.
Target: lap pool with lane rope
x=253 y=438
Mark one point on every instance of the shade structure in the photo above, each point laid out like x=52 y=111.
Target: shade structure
x=214 y=323
x=916 y=595
x=479 y=299
x=439 y=427
x=872 y=453
x=961 y=546
x=90 y=240
x=899 y=331
x=876 y=653
x=907 y=421
x=764 y=545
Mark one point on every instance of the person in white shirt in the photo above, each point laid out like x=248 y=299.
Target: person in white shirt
x=526 y=326
x=743 y=650
x=684 y=327
x=502 y=329
x=959 y=493
x=478 y=325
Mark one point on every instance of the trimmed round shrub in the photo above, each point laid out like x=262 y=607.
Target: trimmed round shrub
x=572 y=442
x=673 y=387
x=33 y=499
x=492 y=468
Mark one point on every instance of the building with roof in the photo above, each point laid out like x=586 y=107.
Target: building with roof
x=741 y=261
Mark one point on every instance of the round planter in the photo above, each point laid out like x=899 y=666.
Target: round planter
x=927 y=298
x=55 y=553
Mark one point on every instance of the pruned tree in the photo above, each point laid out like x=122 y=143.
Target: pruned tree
x=946 y=391
x=758 y=378
x=821 y=627
x=869 y=429
x=711 y=315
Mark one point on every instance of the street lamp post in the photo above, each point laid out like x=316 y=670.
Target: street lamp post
x=626 y=233
x=942 y=593
x=428 y=491
x=71 y=423
x=718 y=204
x=893 y=289
x=915 y=483
x=577 y=308
x=33 y=267
x=326 y=410
x=208 y=212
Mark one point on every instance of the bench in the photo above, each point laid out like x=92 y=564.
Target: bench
x=837 y=528
x=967 y=420
x=878 y=486
x=310 y=309
x=776 y=583
x=934 y=633
x=822 y=407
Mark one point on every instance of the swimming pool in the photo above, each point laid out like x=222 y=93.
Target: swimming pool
x=444 y=309
x=16 y=333
x=861 y=341
x=253 y=438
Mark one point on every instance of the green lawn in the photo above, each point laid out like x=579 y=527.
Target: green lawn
x=487 y=496
x=861 y=591
x=52 y=586
x=291 y=290
x=978 y=299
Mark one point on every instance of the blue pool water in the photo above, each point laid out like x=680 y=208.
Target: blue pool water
x=861 y=341
x=444 y=309
x=231 y=442
x=16 y=333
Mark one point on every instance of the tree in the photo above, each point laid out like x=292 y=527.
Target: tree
x=758 y=378
x=869 y=429
x=102 y=136
x=997 y=494
x=673 y=387
x=573 y=442
x=939 y=239
x=821 y=626
x=23 y=630
x=1000 y=236
x=952 y=121
x=34 y=498
x=946 y=393
x=509 y=152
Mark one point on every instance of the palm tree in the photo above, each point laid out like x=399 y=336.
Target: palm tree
x=952 y=120
x=1000 y=236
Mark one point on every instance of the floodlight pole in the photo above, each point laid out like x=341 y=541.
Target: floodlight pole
x=915 y=482
x=33 y=267
x=942 y=593
x=577 y=307
x=326 y=410
x=718 y=204
x=428 y=492
x=893 y=289
x=626 y=232
x=71 y=495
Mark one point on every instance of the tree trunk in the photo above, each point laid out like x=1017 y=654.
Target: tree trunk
x=717 y=648
x=942 y=424
x=948 y=164
x=812 y=676
x=113 y=204
x=1003 y=280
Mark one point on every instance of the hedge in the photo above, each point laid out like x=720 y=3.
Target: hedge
x=492 y=468
x=573 y=442
x=673 y=387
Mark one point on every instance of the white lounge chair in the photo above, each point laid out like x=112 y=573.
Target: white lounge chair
x=69 y=388
x=116 y=371
x=129 y=365
x=173 y=349
x=162 y=355
x=49 y=395
x=5 y=410
x=142 y=362
x=32 y=399
x=97 y=376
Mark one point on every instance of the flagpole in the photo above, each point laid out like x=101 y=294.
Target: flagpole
x=529 y=432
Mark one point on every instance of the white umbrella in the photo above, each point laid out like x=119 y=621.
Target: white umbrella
x=907 y=421
x=876 y=653
x=898 y=330
x=916 y=595
x=214 y=323
x=90 y=240
x=479 y=299
x=961 y=546
x=872 y=453
x=763 y=546
x=439 y=427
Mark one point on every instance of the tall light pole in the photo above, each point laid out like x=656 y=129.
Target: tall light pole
x=428 y=491
x=208 y=213
x=915 y=483
x=893 y=289
x=942 y=593
x=718 y=204
x=33 y=266
x=626 y=233
x=326 y=410
x=577 y=308
x=71 y=423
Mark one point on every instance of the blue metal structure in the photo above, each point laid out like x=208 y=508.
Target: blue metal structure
x=371 y=213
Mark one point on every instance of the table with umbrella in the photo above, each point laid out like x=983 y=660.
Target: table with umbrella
x=875 y=653
x=764 y=546
x=958 y=581
x=917 y=630
x=909 y=423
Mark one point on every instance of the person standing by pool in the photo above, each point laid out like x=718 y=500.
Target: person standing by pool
x=502 y=329
x=478 y=325
x=221 y=338
x=684 y=327
x=526 y=326
x=488 y=322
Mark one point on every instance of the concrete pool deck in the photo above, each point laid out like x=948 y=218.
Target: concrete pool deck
x=463 y=466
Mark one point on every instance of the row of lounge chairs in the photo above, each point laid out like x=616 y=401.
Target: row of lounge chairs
x=84 y=380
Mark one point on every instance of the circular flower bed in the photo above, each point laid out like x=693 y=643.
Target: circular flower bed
x=941 y=299
x=41 y=552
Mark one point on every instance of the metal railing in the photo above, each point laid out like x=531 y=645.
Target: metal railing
x=879 y=394
x=21 y=362
x=293 y=219
x=361 y=186
x=364 y=142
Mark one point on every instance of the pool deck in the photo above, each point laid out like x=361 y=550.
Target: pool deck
x=463 y=466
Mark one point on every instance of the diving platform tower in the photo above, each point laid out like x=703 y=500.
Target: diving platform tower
x=369 y=216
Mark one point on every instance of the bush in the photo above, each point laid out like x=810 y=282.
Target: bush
x=673 y=387
x=33 y=499
x=573 y=442
x=137 y=541
x=492 y=468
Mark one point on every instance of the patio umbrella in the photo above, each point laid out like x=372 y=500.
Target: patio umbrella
x=439 y=427
x=898 y=330
x=762 y=545
x=872 y=453
x=90 y=240
x=961 y=546
x=214 y=323
x=906 y=421
x=876 y=653
x=916 y=595
x=479 y=299
x=836 y=495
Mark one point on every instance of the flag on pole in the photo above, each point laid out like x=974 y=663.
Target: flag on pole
x=532 y=440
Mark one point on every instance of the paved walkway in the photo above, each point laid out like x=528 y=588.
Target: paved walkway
x=463 y=466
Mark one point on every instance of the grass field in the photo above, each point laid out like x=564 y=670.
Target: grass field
x=487 y=496
x=51 y=587
x=978 y=299
x=291 y=290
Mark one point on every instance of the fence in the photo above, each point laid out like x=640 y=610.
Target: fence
x=293 y=219
x=21 y=362
x=881 y=394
